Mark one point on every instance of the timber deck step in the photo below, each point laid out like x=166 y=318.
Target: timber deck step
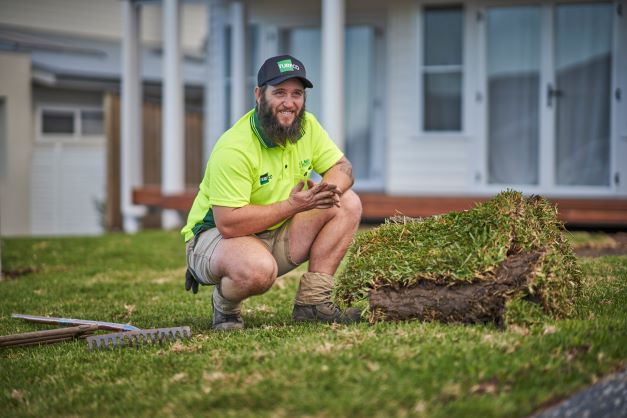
x=376 y=207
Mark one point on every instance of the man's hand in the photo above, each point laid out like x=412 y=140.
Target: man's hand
x=190 y=282
x=317 y=196
x=251 y=219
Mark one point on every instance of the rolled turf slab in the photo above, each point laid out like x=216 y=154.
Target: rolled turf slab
x=487 y=264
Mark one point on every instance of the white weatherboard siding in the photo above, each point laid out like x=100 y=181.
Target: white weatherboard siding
x=67 y=185
x=401 y=95
x=43 y=192
x=193 y=24
x=67 y=172
x=417 y=163
x=101 y=18
x=82 y=189
x=292 y=13
x=435 y=166
x=309 y=12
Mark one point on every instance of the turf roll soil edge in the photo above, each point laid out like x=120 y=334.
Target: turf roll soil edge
x=477 y=302
x=465 y=266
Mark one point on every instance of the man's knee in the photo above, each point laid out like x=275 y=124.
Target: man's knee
x=351 y=206
x=257 y=276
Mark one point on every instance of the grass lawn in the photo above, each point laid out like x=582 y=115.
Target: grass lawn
x=275 y=368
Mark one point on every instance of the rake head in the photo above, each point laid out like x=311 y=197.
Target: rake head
x=138 y=338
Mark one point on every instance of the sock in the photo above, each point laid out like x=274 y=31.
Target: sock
x=314 y=288
x=224 y=305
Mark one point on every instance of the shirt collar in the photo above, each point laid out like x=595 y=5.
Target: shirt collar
x=255 y=124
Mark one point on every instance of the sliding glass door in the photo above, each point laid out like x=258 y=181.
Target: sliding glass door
x=513 y=69
x=548 y=72
x=583 y=71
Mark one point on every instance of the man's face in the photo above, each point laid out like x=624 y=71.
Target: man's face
x=286 y=100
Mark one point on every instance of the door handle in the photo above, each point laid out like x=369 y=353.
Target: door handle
x=552 y=92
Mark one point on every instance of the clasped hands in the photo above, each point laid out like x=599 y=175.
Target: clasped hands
x=317 y=196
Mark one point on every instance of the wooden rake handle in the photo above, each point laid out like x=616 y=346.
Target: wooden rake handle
x=46 y=337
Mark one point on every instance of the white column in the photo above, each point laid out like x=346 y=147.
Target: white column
x=173 y=138
x=131 y=116
x=214 y=109
x=547 y=113
x=332 y=77
x=238 y=61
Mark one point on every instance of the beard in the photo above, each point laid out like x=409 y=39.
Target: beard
x=272 y=127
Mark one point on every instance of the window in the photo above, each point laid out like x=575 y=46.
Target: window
x=71 y=123
x=513 y=70
x=92 y=122
x=442 y=68
x=57 y=122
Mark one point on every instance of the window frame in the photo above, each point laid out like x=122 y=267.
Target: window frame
x=77 y=136
x=547 y=183
x=424 y=69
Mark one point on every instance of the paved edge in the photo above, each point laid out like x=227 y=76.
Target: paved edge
x=605 y=399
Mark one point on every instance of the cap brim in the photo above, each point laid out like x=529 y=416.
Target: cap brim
x=281 y=79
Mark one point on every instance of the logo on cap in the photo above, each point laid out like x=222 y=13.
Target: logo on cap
x=286 y=65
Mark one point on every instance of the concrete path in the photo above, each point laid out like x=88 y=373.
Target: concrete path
x=605 y=399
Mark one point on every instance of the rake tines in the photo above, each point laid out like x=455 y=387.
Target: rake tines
x=138 y=338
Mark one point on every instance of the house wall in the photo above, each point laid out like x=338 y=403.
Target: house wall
x=68 y=172
x=101 y=18
x=43 y=95
x=418 y=162
x=293 y=14
x=15 y=90
x=454 y=163
x=415 y=163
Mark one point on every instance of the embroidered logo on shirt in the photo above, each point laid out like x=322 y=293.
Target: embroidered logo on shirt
x=265 y=178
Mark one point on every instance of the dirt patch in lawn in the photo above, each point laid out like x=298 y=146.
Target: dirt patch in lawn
x=14 y=274
x=615 y=245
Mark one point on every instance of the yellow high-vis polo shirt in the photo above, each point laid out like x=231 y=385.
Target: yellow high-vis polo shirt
x=246 y=167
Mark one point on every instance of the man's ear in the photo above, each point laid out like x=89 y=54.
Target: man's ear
x=257 y=94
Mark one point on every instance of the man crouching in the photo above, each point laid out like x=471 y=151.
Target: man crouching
x=257 y=214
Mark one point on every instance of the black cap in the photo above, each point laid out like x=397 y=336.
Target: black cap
x=278 y=69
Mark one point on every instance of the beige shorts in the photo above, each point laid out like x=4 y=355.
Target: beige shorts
x=200 y=249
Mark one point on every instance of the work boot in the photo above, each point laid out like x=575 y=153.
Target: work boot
x=313 y=301
x=325 y=312
x=226 y=314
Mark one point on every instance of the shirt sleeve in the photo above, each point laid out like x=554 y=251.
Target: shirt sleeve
x=325 y=152
x=230 y=177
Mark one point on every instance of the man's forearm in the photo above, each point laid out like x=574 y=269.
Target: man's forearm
x=341 y=174
x=252 y=219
